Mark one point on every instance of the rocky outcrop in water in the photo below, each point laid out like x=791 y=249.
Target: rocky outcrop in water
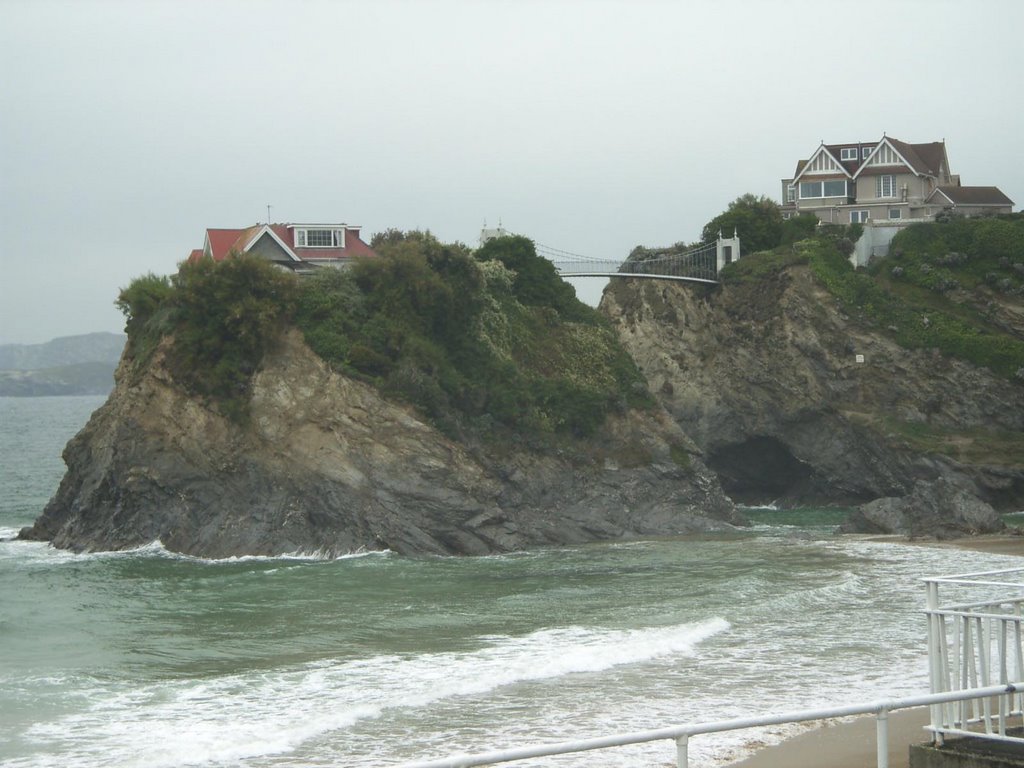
x=939 y=509
x=792 y=401
x=327 y=465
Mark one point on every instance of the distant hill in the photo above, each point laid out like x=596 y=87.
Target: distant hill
x=66 y=350
x=70 y=365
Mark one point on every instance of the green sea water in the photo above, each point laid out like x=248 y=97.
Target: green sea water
x=146 y=658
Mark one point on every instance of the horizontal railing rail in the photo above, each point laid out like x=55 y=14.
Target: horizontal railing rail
x=682 y=734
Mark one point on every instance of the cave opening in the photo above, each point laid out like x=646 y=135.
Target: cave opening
x=759 y=469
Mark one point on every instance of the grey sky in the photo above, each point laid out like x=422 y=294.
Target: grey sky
x=128 y=128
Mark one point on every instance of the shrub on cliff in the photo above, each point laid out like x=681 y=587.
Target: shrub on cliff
x=478 y=345
x=222 y=317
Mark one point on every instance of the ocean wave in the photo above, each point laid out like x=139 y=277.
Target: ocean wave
x=43 y=552
x=173 y=723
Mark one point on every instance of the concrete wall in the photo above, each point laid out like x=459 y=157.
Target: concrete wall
x=875 y=240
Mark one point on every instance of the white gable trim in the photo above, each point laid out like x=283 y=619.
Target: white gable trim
x=938 y=191
x=837 y=167
x=885 y=143
x=265 y=230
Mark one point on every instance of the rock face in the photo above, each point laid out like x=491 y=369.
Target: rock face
x=326 y=465
x=765 y=378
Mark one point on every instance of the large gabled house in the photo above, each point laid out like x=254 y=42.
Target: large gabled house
x=296 y=247
x=888 y=180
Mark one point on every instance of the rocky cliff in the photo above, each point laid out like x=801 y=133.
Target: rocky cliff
x=325 y=464
x=791 y=399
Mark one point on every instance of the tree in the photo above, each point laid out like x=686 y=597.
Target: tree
x=757 y=220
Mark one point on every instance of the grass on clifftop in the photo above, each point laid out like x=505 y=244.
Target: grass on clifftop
x=485 y=343
x=940 y=287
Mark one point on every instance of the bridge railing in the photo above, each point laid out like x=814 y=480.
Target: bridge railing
x=682 y=734
x=975 y=640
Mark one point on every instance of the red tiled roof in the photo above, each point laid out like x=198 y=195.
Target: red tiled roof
x=225 y=241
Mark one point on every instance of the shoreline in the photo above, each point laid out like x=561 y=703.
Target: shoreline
x=853 y=743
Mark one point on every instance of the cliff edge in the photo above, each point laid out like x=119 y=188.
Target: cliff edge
x=796 y=397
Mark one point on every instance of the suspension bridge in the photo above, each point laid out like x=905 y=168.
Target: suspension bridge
x=699 y=264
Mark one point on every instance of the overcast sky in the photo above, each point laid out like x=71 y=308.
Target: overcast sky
x=128 y=128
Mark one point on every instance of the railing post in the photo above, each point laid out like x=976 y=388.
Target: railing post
x=882 y=729
x=682 y=749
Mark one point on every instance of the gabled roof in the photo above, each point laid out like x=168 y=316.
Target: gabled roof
x=923 y=159
x=220 y=243
x=972 y=196
x=822 y=156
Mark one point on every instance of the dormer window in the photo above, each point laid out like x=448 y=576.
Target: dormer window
x=319 y=238
x=848 y=153
x=865 y=152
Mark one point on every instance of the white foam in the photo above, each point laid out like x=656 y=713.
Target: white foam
x=239 y=717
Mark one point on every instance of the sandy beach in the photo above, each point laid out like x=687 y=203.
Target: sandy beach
x=849 y=744
x=853 y=744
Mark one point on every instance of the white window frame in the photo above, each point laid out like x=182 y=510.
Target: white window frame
x=881 y=187
x=790 y=193
x=821 y=189
x=897 y=211
x=848 y=153
x=865 y=152
x=859 y=216
x=302 y=237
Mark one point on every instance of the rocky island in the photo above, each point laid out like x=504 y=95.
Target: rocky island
x=423 y=402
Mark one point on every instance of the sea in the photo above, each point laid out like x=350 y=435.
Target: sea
x=149 y=658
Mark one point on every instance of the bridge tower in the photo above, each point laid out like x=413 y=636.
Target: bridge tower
x=728 y=249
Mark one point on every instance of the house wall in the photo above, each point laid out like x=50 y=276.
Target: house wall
x=918 y=188
x=267 y=249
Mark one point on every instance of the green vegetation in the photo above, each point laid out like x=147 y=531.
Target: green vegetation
x=992 y=447
x=758 y=221
x=483 y=343
x=934 y=290
x=488 y=344
x=222 y=318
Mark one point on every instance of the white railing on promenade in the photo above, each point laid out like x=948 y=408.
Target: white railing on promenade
x=682 y=734
x=975 y=641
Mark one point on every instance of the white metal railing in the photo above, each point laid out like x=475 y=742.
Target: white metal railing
x=974 y=641
x=682 y=734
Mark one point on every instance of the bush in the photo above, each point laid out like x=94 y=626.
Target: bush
x=757 y=220
x=227 y=314
x=492 y=345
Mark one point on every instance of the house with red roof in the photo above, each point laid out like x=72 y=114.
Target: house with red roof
x=297 y=247
x=885 y=181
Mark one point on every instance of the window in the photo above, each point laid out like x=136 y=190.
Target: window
x=865 y=151
x=319 y=238
x=848 y=153
x=859 y=217
x=790 y=193
x=885 y=186
x=895 y=213
x=810 y=189
x=833 y=188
